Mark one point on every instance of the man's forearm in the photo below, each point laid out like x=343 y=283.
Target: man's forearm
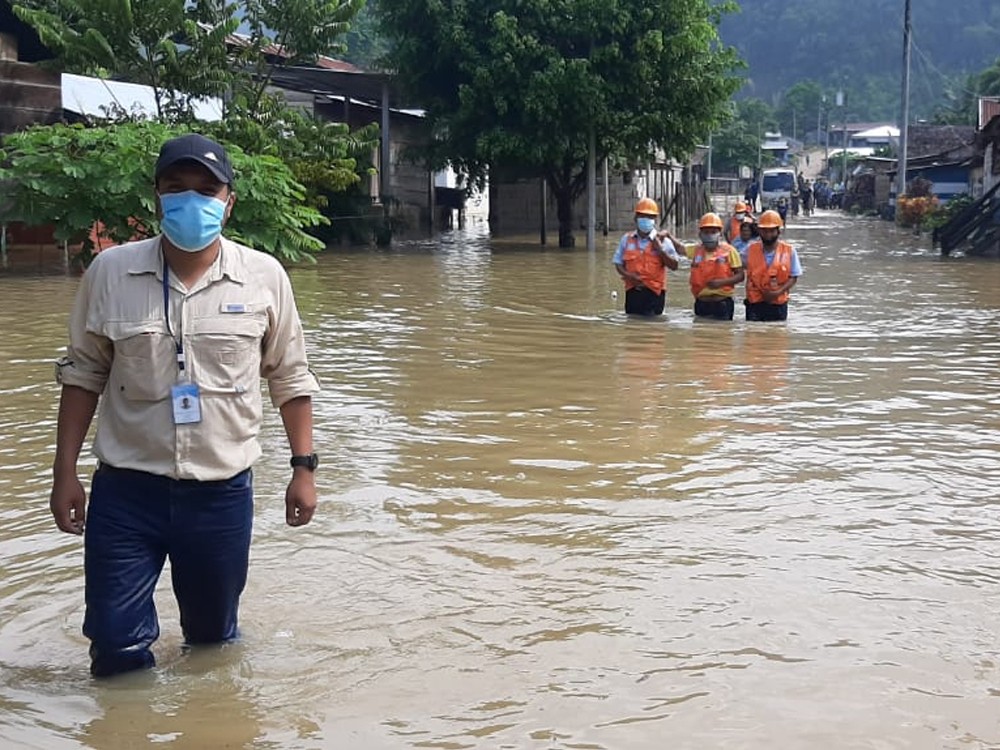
x=296 y=415
x=76 y=411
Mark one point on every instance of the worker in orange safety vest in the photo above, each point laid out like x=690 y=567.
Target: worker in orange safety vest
x=641 y=260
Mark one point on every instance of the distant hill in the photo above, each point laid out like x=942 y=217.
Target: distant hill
x=858 y=45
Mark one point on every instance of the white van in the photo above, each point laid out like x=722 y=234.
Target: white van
x=776 y=183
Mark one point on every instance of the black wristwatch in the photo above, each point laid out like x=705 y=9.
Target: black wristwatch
x=310 y=461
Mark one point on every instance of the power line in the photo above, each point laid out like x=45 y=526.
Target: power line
x=944 y=76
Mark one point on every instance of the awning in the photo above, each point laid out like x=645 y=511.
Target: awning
x=94 y=97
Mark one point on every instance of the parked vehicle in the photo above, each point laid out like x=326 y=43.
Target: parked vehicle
x=776 y=184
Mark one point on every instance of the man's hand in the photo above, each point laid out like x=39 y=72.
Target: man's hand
x=300 y=498
x=68 y=503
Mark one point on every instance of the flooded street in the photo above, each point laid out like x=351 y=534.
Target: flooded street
x=545 y=525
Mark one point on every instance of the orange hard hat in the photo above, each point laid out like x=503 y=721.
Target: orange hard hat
x=769 y=220
x=647 y=206
x=710 y=220
x=740 y=206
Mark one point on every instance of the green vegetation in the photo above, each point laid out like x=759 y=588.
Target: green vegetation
x=518 y=90
x=365 y=45
x=857 y=47
x=71 y=176
x=960 y=100
x=738 y=143
x=176 y=47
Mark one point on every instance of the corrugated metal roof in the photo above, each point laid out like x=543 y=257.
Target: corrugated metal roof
x=882 y=131
x=97 y=96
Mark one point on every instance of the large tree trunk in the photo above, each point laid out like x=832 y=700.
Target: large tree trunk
x=564 y=210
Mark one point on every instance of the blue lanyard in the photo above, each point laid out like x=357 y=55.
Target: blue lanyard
x=178 y=341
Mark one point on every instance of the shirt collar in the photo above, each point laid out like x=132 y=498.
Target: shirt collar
x=232 y=263
x=147 y=258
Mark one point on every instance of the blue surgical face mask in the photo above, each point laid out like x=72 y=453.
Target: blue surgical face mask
x=646 y=225
x=191 y=221
x=709 y=239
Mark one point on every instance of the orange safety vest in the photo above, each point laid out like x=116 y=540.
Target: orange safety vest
x=734 y=226
x=649 y=265
x=707 y=265
x=760 y=275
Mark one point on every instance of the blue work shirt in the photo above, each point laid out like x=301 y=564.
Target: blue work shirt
x=644 y=245
x=795 y=270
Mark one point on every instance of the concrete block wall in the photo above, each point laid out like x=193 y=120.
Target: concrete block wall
x=516 y=206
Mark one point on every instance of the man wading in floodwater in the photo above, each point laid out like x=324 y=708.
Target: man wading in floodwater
x=642 y=259
x=173 y=335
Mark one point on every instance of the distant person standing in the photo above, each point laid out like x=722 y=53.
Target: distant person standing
x=740 y=212
x=807 y=198
x=773 y=268
x=782 y=211
x=753 y=189
x=716 y=268
x=642 y=259
x=747 y=235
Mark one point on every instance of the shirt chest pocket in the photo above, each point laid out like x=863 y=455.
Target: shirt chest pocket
x=225 y=351
x=145 y=363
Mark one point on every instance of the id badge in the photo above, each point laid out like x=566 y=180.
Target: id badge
x=187 y=403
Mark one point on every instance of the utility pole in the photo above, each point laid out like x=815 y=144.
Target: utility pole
x=760 y=151
x=819 y=119
x=708 y=179
x=591 y=190
x=842 y=103
x=826 y=146
x=905 y=106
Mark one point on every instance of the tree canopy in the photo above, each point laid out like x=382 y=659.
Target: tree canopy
x=185 y=50
x=858 y=47
x=516 y=87
x=738 y=143
x=71 y=176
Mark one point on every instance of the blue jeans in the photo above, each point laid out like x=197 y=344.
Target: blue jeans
x=135 y=521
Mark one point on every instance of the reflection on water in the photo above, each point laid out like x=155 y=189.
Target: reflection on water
x=547 y=525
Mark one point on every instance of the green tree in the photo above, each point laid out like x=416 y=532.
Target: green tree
x=958 y=105
x=857 y=47
x=288 y=32
x=179 y=50
x=738 y=143
x=515 y=88
x=71 y=176
x=799 y=108
x=988 y=81
x=366 y=47
x=188 y=49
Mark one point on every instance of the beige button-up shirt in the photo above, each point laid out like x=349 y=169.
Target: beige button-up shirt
x=237 y=324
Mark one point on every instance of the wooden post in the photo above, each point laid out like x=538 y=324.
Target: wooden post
x=432 y=204
x=383 y=183
x=592 y=190
x=543 y=201
x=607 y=198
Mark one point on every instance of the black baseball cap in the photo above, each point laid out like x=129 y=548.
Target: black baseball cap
x=197 y=148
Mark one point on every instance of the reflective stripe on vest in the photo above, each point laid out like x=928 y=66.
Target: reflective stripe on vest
x=649 y=265
x=707 y=265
